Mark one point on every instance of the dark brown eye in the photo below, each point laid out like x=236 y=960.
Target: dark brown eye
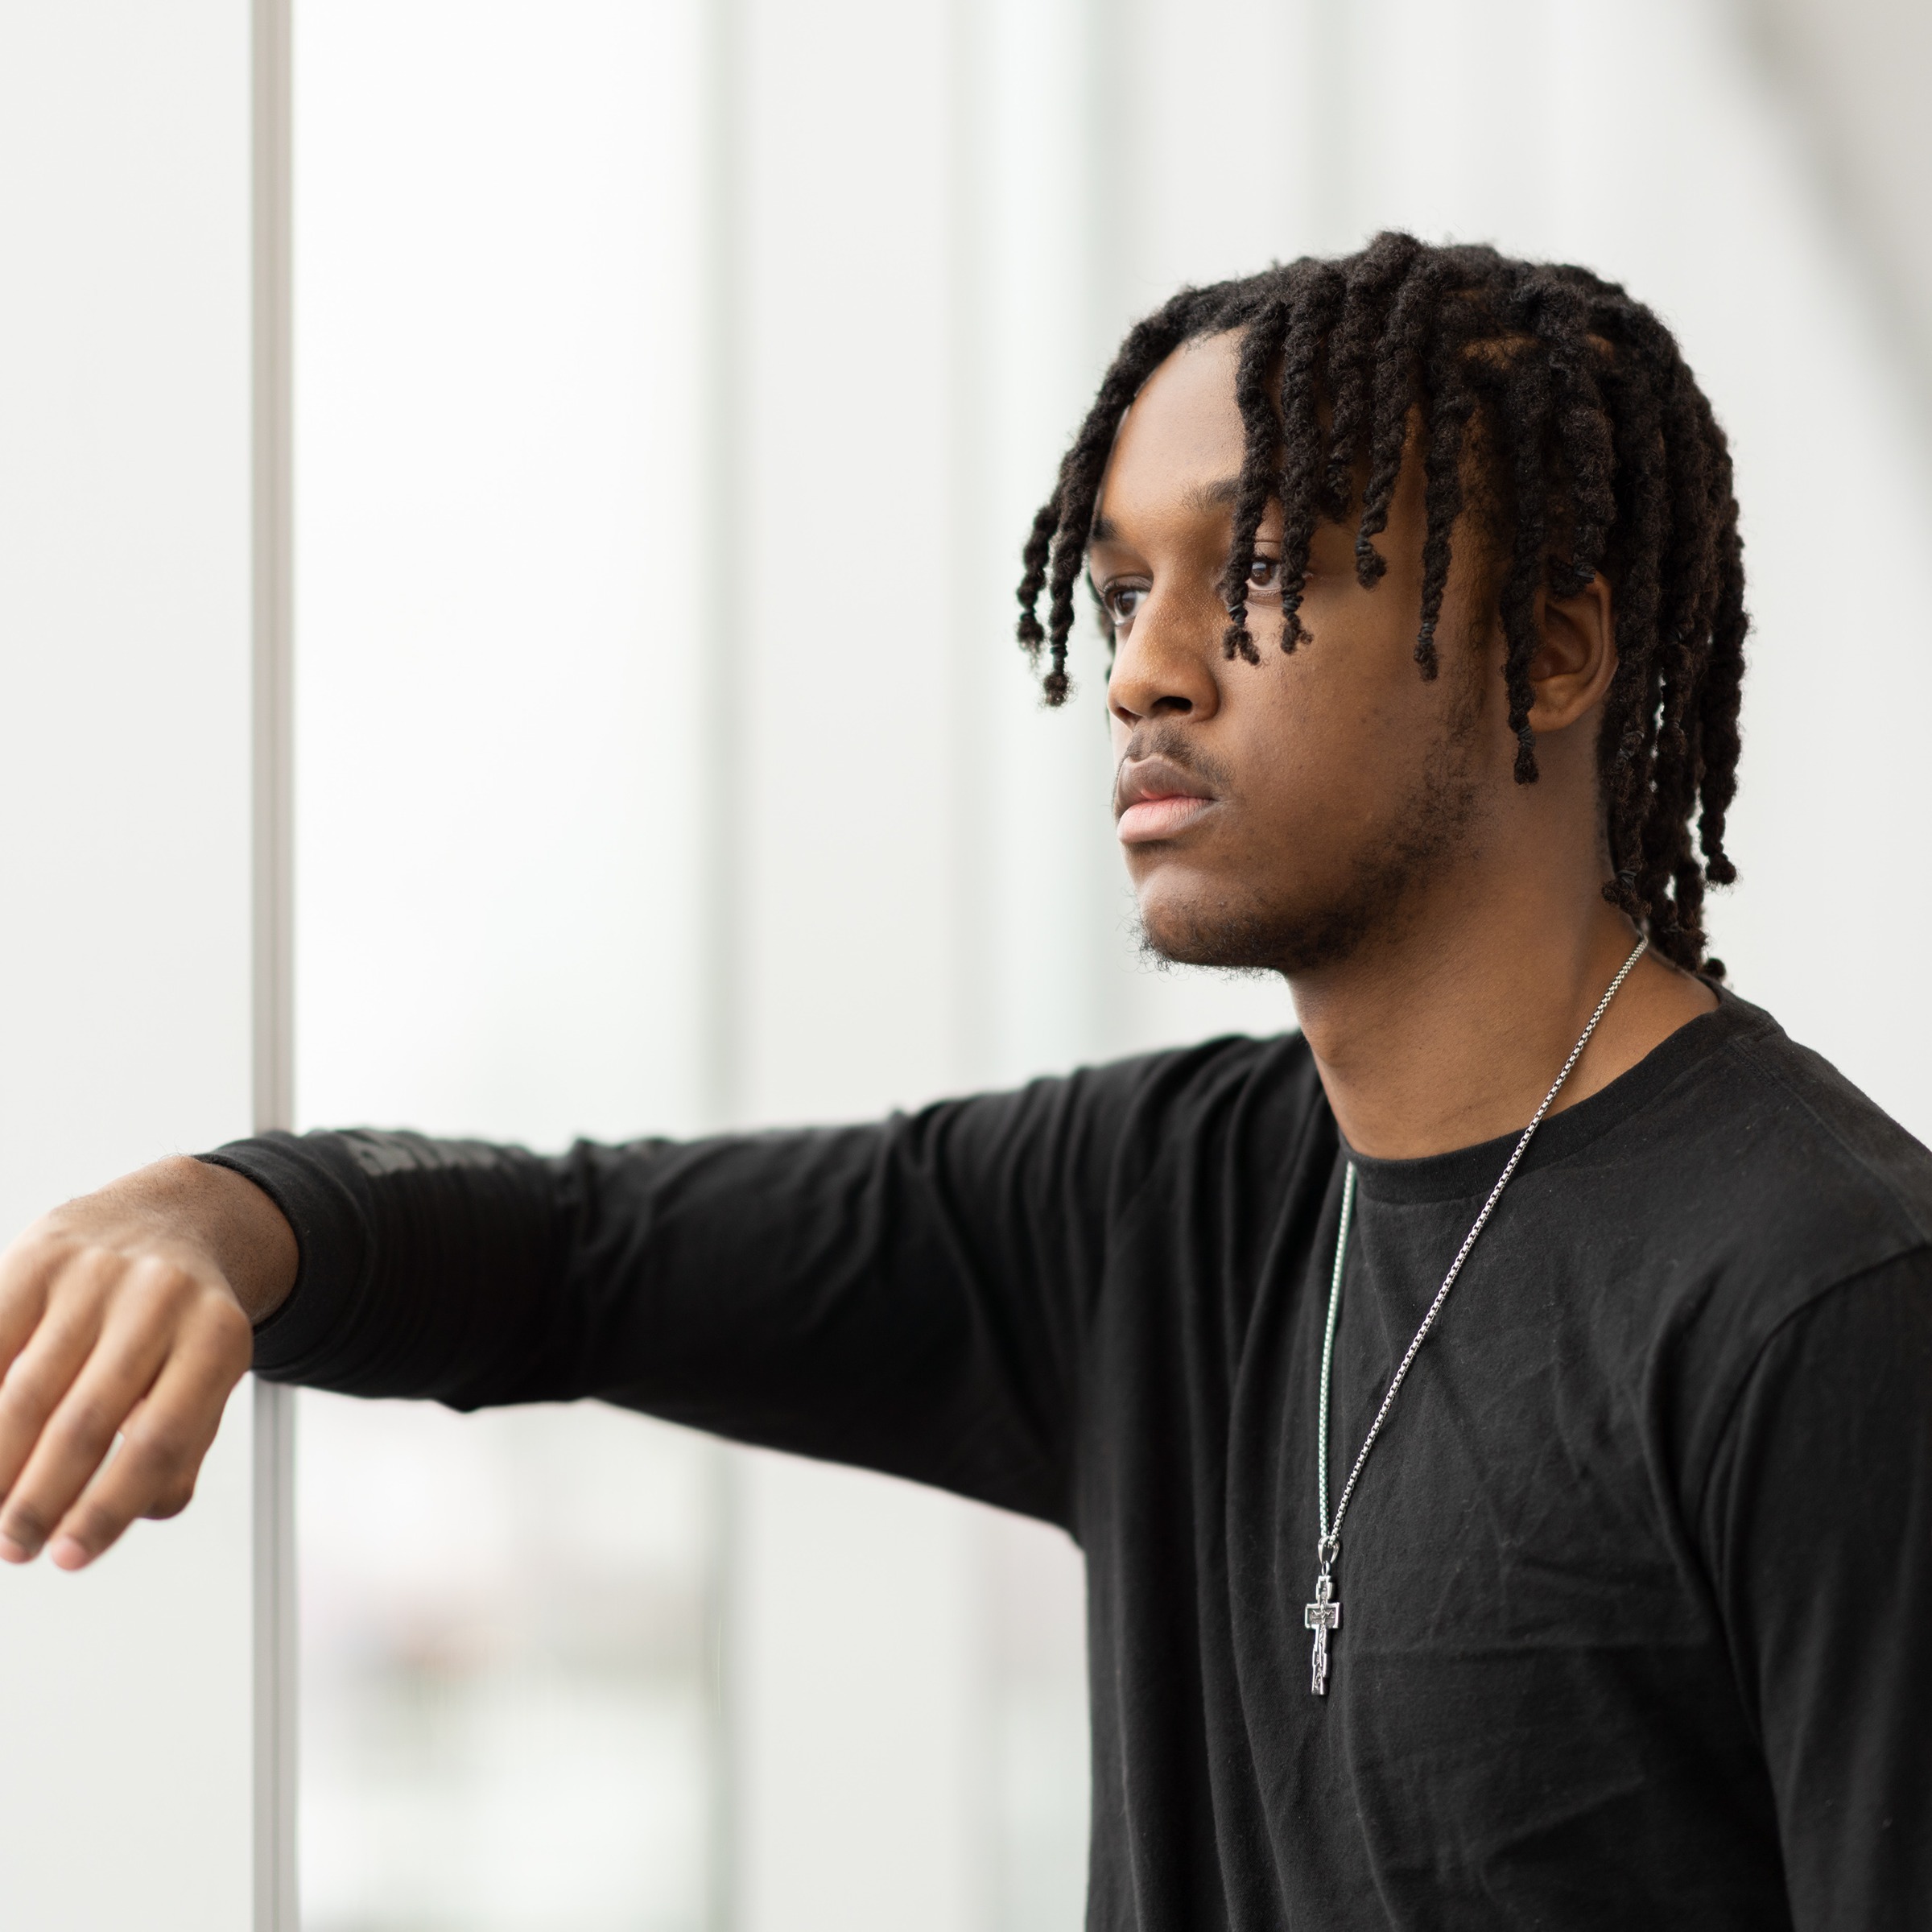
x=1122 y=601
x=1264 y=573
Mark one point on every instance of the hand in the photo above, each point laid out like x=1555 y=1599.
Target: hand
x=127 y=1313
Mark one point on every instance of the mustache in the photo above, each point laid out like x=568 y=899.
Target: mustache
x=1162 y=739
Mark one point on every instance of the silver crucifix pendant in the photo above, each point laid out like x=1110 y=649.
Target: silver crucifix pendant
x=1323 y=1615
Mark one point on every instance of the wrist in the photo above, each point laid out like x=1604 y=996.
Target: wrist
x=196 y=1212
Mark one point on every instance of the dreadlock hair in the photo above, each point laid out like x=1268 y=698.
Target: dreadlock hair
x=1592 y=449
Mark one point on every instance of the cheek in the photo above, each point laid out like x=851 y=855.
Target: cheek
x=1306 y=742
x=1324 y=762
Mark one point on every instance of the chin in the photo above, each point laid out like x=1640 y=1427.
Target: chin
x=1196 y=930
x=1200 y=929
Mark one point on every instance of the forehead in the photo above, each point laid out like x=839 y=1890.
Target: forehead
x=1183 y=431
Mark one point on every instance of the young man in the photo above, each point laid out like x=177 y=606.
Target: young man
x=1606 y=1603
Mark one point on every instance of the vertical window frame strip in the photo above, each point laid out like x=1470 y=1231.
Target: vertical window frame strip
x=725 y=29
x=275 y=1690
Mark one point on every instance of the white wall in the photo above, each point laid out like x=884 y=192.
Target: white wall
x=125 y=872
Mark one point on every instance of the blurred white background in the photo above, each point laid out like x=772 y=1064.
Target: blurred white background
x=674 y=379
x=674 y=387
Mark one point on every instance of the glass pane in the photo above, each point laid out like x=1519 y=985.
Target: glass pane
x=1036 y=1595
x=508 y=1642
x=505 y=1718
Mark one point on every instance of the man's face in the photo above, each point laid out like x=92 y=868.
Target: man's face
x=1276 y=814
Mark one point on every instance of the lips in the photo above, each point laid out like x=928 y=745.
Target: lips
x=1155 y=798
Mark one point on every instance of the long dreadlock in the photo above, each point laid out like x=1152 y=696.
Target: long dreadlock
x=1594 y=448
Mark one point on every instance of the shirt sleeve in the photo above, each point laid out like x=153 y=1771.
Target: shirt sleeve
x=907 y=1295
x=1819 y=1515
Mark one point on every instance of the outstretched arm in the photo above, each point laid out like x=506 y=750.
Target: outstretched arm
x=902 y=1295
x=127 y=1312
x=907 y=1295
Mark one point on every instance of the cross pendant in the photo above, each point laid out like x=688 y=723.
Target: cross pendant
x=1322 y=1616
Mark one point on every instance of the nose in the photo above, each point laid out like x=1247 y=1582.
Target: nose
x=1168 y=662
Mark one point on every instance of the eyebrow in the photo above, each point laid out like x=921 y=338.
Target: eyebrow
x=1214 y=495
x=1202 y=497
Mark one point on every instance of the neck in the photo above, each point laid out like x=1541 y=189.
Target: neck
x=1449 y=1030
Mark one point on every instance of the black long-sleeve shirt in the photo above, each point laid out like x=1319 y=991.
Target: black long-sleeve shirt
x=1637 y=1584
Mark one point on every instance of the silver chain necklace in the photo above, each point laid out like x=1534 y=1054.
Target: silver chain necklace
x=1325 y=1613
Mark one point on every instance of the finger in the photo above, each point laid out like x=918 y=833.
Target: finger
x=163 y=1443
x=79 y=1433
x=27 y=1270
x=35 y=1381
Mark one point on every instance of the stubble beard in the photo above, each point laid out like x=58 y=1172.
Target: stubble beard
x=1428 y=829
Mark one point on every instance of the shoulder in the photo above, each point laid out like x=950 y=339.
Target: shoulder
x=1801 y=1158
x=1122 y=1120
x=1231 y=1070
x=1758 y=1184
x=1228 y=1088
x=1181 y=1083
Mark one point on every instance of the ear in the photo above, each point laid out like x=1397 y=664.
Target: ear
x=1575 y=655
